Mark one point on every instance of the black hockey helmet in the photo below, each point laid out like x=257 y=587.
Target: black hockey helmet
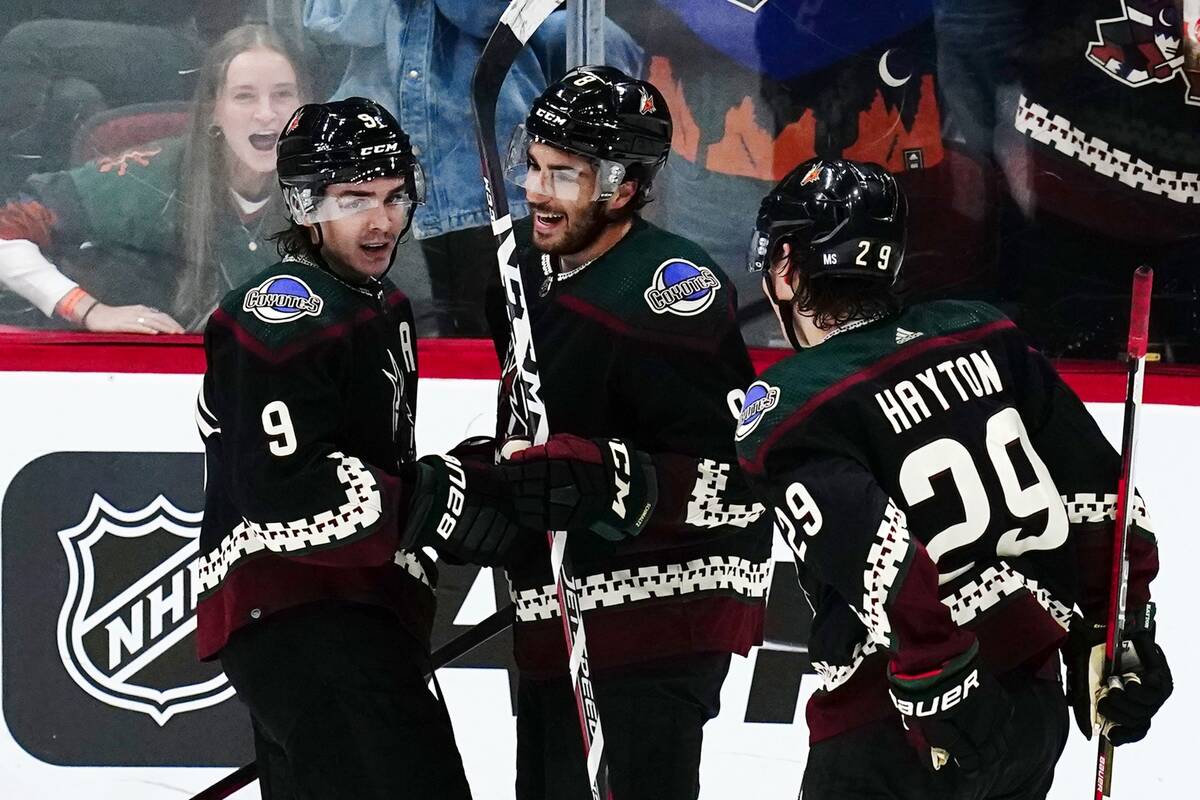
x=343 y=141
x=601 y=113
x=841 y=218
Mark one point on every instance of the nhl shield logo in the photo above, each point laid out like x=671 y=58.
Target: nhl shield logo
x=125 y=641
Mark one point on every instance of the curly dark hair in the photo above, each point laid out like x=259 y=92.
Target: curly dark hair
x=295 y=240
x=836 y=300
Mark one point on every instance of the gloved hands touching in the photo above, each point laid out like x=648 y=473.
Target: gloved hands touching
x=571 y=483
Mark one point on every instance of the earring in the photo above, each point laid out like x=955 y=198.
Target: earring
x=215 y=132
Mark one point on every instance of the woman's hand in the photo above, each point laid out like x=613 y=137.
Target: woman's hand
x=129 y=319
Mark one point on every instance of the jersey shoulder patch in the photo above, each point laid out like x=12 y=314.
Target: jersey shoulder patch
x=681 y=287
x=286 y=308
x=282 y=298
x=656 y=283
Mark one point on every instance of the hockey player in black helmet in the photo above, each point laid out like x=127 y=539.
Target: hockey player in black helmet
x=949 y=501
x=638 y=348
x=351 y=183
x=313 y=589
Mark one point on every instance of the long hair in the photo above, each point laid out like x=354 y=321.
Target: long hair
x=205 y=181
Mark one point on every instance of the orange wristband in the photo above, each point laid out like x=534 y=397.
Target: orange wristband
x=68 y=305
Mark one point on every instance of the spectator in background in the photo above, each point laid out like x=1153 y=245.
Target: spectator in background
x=64 y=60
x=192 y=214
x=416 y=58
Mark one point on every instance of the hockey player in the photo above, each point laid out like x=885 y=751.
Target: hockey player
x=312 y=590
x=949 y=501
x=638 y=348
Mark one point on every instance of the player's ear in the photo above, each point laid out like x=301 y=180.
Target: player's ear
x=781 y=263
x=626 y=191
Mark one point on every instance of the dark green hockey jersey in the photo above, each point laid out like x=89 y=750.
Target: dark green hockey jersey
x=643 y=345
x=307 y=413
x=939 y=485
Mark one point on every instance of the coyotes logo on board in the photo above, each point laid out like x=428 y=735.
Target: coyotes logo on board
x=128 y=644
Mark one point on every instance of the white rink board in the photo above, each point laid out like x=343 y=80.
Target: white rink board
x=70 y=412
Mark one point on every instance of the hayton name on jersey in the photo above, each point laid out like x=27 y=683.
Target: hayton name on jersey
x=958 y=379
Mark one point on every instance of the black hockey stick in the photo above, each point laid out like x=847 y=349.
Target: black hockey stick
x=452 y=650
x=1139 y=323
x=517 y=24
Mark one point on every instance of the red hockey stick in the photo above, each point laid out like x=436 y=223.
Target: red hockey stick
x=1139 y=323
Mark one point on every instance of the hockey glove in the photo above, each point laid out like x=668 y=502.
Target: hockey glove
x=1122 y=711
x=462 y=509
x=960 y=711
x=570 y=483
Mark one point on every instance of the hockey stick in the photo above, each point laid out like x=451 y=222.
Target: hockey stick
x=518 y=22
x=1139 y=322
x=452 y=650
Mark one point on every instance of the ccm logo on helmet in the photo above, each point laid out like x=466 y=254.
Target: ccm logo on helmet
x=550 y=116
x=944 y=702
x=376 y=149
x=455 y=497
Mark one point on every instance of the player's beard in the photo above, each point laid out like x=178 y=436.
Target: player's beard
x=579 y=232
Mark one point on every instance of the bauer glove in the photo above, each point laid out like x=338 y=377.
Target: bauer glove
x=462 y=509
x=960 y=711
x=1123 y=709
x=570 y=483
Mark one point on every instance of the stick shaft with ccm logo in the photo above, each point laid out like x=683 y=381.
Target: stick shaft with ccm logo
x=519 y=21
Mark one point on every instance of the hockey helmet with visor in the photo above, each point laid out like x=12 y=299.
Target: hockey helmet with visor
x=620 y=124
x=345 y=141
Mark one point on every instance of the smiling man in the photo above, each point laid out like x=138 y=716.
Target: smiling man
x=314 y=592
x=638 y=349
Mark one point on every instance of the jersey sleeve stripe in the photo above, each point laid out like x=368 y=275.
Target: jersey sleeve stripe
x=704 y=344
x=278 y=355
x=908 y=352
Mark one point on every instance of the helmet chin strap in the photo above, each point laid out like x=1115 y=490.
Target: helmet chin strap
x=785 y=309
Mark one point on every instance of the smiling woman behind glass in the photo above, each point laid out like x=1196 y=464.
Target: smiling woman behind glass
x=196 y=209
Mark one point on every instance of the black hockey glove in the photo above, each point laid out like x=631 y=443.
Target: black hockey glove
x=1124 y=709
x=462 y=509
x=960 y=710
x=570 y=483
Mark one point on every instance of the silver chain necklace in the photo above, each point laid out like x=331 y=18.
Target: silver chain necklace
x=849 y=326
x=549 y=276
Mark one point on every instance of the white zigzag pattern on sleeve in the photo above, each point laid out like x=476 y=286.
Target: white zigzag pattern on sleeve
x=361 y=510
x=1086 y=507
x=705 y=508
x=887 y=553
x=604 y=590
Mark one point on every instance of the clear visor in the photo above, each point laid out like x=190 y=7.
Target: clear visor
x=310 y=209
x=562 y=182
